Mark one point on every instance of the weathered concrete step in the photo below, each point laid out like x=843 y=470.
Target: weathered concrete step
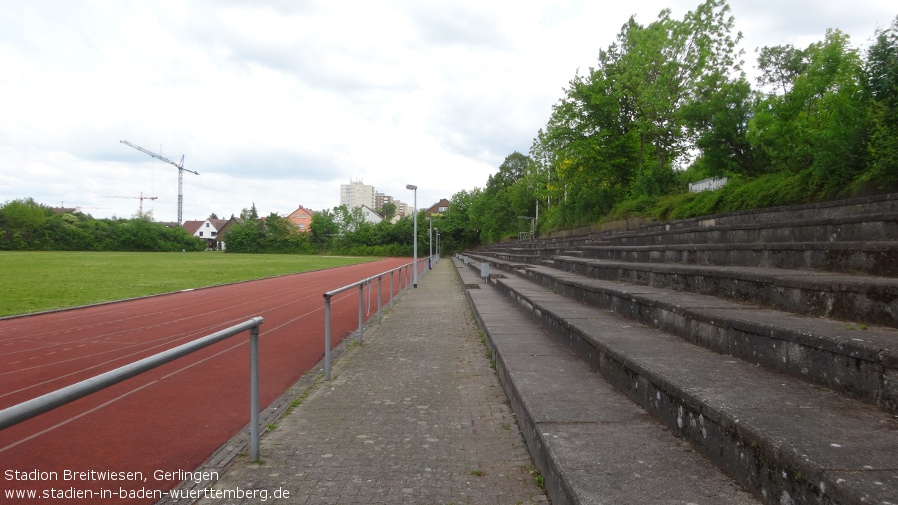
x=859 y=228
x=859 y=299
x=835 y=209
x=786 y=440
x=854 y=359
x=590 y=443
x=874 y=258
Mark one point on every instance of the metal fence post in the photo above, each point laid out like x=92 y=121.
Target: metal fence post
x=391 y=288
x=254 y=392
x=379 y=289
x=361 y=303
x=327 y=337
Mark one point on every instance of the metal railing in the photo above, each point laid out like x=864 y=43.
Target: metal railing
x=361 y=285
x=36 y=406
x=707 y=184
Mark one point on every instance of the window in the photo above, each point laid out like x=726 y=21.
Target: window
x=302 y=226
x=201 y=234
x=207 y=225
x=444 y=209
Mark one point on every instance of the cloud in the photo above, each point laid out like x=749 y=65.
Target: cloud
x=277 y=103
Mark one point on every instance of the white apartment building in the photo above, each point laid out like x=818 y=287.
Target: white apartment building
x=356 y=194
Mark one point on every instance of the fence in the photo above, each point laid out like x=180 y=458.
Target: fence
x=36 y=406
x=707 y=184
x=361 y=285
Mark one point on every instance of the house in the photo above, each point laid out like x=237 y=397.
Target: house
x=301 y=218
x=223 y=231
x=208 y=230
x=438 y=209
x=370 y=215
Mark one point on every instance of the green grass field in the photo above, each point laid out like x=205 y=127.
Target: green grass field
x=36 y=281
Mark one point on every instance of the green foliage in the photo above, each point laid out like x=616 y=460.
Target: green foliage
x=27 y=225
x=818 y=123
x=881 y=91
x=388 y=210
x=768 y=190
x=668 y=104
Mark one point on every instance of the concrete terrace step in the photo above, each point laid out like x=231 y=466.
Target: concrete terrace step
x=859 y=361
x=786 y=440
x=590 y=444
x=833 y=229
x=859 y=299
x=875 y=258
x=838 y=209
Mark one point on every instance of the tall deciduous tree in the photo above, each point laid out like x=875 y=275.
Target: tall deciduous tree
x=881 y=83
x=818 y=124
x=657 y=96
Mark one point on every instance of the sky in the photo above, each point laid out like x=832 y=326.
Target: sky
x=277 y=103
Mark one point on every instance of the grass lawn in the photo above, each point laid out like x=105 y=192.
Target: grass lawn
x=36 y=281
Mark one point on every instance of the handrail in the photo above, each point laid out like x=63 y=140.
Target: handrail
x=31 y=408
x=361 y=285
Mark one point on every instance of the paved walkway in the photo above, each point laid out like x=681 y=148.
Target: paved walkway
x=415 y=415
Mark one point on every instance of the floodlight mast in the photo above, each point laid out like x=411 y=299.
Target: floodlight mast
x=181 y=171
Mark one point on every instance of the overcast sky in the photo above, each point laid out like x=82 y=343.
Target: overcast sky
x=279 y=102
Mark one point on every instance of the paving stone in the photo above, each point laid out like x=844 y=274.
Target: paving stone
x=415 y=415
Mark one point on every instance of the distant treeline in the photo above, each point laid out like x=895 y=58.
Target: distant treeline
x=26 y=225
x=338 y=231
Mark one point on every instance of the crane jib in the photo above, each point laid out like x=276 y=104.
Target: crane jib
x=181 y=171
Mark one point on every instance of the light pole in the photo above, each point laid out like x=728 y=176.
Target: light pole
x=438 y=241
x=415 y=210
x=430 y=243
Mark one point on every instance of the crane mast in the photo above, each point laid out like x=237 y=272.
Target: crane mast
x=181 y=170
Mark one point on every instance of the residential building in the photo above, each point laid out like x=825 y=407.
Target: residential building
x=223 y=231
x=356 y=194
x=380 y=199
x=208 y=231
x=371 y=215
x=301 y=218
x=438 y=209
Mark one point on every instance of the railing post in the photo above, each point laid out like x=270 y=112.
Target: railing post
x=361 y=303
x=379 y=288
x=391 y=288
x=327 y=337
x=254 y=392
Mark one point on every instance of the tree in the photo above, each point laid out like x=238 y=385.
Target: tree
x=324 y=228
x=250 y=214
x=881 y=88
x=660 y=93
x=459 y=229
x=818 y=124
x=388 y=210
x=780 y=66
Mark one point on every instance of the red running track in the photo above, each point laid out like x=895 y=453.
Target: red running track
x=173 y=417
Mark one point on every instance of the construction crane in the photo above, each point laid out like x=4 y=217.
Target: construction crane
x=181 y=171
x=141 y=198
